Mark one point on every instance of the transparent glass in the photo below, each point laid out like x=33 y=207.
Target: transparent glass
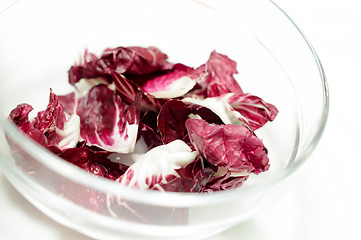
x=41 y=39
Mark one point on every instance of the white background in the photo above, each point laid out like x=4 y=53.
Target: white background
x=325 y=201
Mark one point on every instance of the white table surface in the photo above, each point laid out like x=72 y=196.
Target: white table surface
x=325 y=201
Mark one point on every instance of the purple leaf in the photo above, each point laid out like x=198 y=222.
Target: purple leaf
x=173 y=115
x=107 y=122
x=224 y=182
x=69 y=102
x=127 y=90
x=61 y=129
x=95 y=162
x=254 y=109
x=175 y=83
x=235 y=148
x=171 y=120
x=151 y=138
x=155 y=166
x=220 y=107
x=51 y=127
x=219 y=78
x=20 y=116
x=123 y=60
x=52 y=117
x=192 y=178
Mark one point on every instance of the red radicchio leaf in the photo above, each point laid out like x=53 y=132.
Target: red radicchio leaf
x=171 y=119
x=173 y=115
x=155 y=166
x=176 y=83
x=219 y=79
x=145 y=60
x=95 y=162
x=20 y=116
x=151 y=138
x=235 y=148
x=123 y=60
x=218 y=183
x=149 y=118
x=61 y=129
x=69 y=102
x=148 y=129
x=52 y=128
x=127 y=90
x=107 y=122
x=192 y=178
x=219 y=107
x=51 y=118
x=254 y=109
x=46 y=131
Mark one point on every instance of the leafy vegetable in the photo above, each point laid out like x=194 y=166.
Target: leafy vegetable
x=140 y=120
x=173 y=115
x=254 y=109
x=175 y=83
x=194 y=177
x=235 y=148
x=224 y=182
x=127 y=90
x=123 y=60
x=155 y=166
x=221 y=108
x=19 y=116
x=69 y=103
x=95 y=162
x=219 y=77
x=108 y=123
x=52 y=127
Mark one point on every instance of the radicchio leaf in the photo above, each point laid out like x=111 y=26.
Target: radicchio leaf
x=127 y=90
x=220 y=107
x=194 y=177
x=173 y=115
x=62 y=129
x=254 y=109
x=20 y=116
x=69 y=103
x=151 y=138
x=219 y=79
x=224 y=182
x=171 y=119
x=123 y=60
x=155 y=166
x=235 y=148
x=51 y=118
x=107 y=122
x=148 y=129
x=52 y=128
x=95 y=162
x=173 y=84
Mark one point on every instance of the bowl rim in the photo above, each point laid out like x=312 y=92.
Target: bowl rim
x=174 y=199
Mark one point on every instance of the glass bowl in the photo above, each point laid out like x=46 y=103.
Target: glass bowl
x=42 y=39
